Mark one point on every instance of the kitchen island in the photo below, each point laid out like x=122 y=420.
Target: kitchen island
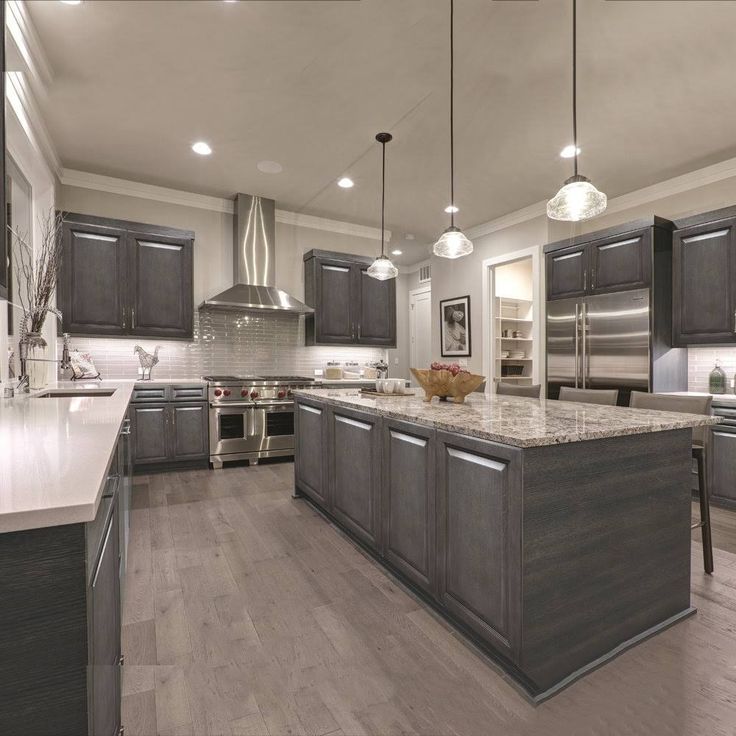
x=553 y=534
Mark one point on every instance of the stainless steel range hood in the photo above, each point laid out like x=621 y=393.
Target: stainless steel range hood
x=254 y=262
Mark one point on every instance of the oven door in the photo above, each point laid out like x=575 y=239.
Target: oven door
x=234 y=429
x=277 y=420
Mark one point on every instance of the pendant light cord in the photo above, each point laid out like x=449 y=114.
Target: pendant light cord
x=383 y=194
x=452 y=113
x=575 y=84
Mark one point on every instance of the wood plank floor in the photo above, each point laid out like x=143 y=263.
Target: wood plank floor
x=247 y=614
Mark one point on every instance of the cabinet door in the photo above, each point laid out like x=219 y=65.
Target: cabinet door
x=149 y=428
x=93 y=280
x=567 y=273
x=4 y=235
x=479 y=536
x=355 y=472
x=161 y=286
x=704 y=284
x=408 y=500
x=621 y=263
x=310 y=430
x=375 y=304
x=334 y=311
x=190 y=431
x=723 y=465
x=105 y=636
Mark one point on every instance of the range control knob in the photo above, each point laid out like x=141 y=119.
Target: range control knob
x=288 y=393
x=254 y=394
x=218 y=392
x=282 y=393
x=226 y=392
x=244 y=392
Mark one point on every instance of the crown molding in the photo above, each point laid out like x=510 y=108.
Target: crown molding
x=23 y=34
x=414 y=267
x=114 y=185
x=23 y=103
x=505 y=221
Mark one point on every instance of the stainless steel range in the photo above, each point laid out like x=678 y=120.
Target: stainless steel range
x=251 y=416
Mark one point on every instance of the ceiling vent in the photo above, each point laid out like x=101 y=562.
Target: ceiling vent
x=425 y=274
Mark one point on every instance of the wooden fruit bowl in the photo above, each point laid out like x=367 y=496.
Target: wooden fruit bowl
x=444 y=384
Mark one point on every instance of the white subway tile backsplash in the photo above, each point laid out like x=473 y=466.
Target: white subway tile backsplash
x=226 y=343
x=701 y=361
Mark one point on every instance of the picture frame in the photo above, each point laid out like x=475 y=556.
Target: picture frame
x=454 y=330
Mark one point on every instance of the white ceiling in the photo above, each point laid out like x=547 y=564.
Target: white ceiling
x=309 y=84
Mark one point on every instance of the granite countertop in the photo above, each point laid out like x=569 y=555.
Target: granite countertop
x=516 y=421
x=55 y=452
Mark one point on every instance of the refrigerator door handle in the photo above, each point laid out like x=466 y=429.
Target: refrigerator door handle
x=577 y=343
x=583 y=326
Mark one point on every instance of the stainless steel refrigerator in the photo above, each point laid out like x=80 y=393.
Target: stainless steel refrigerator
x=611 y=341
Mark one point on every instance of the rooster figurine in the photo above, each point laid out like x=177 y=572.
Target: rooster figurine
x=147 y=360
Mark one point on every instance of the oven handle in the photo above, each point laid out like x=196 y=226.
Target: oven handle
x=233 y=404
x=286 y=402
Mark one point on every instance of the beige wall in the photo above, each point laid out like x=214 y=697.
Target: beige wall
x=398 y=359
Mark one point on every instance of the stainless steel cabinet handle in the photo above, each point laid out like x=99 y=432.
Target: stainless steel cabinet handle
x=734 y=322
x=132 y=318
x=592 y=278
x=585 y=280
x=585 y=344
x=104 y=547
x=358 y=330
x=577 y=343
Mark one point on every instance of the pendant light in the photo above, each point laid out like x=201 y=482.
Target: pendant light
x=382 y=268
x=578 y=199
x=452 y=243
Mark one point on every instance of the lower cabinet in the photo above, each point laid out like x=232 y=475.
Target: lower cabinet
x=478 y=536
x=408 y=500
x=441 y=509
x=169 y=425
x=722 y=475
x=354 y=455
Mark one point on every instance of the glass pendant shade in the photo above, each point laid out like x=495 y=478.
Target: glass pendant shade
x=577 y=200
x=453 y=244
x=382 y=269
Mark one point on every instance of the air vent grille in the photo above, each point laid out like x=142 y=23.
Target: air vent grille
x=425 y=274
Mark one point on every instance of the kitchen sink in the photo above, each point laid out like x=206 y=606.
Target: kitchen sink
x=70 y=393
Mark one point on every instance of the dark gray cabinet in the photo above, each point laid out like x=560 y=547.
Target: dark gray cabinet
x=4 y=236
x=611 y=260
x=408 y=500
x=104 y=618
x=169 y=426
x=354 y=455
x=722 y=466
x=122 y=278
x=310 y=430
x=704 y=281
x=351 y=308
x=478 y=536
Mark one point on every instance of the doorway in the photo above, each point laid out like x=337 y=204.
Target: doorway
x=420 y=328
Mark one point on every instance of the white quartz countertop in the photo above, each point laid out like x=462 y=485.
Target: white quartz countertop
x=55 y=452
x=515 y=421
x=727 y=399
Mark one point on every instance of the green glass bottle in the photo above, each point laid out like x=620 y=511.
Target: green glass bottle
x=717 y=380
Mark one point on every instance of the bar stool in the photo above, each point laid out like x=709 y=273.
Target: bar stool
x=509 y=389
x=606 y=396
x=689 y=405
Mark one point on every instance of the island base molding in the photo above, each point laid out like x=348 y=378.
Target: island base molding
x=551 y=560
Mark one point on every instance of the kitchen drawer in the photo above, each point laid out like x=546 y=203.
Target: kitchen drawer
x=156 y=392
x=184 y=392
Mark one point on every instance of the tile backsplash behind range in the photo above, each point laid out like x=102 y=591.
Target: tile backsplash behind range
x=225 y=343
x=701 y=361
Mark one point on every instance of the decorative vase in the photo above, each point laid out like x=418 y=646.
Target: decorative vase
x=37 y=360
x=717 y=380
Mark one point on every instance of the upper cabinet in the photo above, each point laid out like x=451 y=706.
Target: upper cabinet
x=4 y=238
x=611 y=260
x=704 y=279
x=350 y=307
x=122 y=278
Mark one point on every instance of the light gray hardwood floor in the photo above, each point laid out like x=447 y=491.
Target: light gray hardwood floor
x=247 y=614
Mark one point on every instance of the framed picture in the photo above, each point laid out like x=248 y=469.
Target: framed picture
x=455 y=327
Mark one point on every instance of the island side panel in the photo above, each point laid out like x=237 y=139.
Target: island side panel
x=606 y=547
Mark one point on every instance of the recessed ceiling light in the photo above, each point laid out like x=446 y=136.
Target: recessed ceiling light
x=396 y=252
x=451 y=209
x=269 y=167
x=409 y=236
x=72 y=2
x=569 y=151
x=345 y=182
x=202 y=148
